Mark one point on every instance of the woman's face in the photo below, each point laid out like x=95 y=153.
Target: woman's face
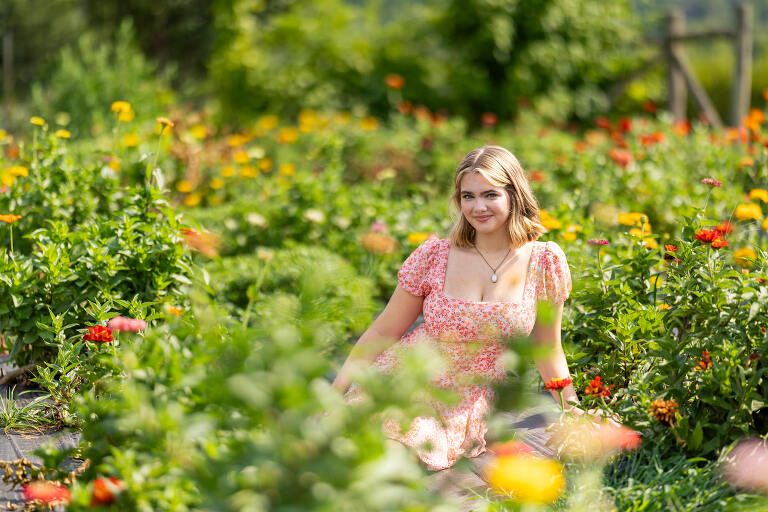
x=485 y=206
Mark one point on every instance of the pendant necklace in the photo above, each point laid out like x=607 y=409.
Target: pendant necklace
x=494 y=278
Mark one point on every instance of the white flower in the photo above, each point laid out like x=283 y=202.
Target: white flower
x=315 y=216
x=256 y=219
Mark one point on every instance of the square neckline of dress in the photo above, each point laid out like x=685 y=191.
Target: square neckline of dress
x=515 y=302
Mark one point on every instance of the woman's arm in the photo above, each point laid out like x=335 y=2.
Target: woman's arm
x=402 y=310
x=553 y=365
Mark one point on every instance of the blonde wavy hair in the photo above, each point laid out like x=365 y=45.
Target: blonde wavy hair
x=501 y=169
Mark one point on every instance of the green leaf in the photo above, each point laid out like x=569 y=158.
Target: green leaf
x=694 y=441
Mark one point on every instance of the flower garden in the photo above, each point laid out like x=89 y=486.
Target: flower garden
x=181 y=293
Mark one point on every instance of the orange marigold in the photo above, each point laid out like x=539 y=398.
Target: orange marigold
x=664 y=411
x=9 y=218
x=705 y=363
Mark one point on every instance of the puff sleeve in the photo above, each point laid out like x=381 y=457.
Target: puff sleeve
x=556 y=280
x=412 y=276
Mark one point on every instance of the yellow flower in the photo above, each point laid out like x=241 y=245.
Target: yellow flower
x=287 y=169
x=227 y=171
x=650 y=243
x=748 y=211
x=120 y=106
x=341 y=118
x=173 y=310
x=63 y=134
x=307 y=120
x=241 y=157
x=759 y=193
x=18 y=170
x=37 y=121
x=6 y=178
x=656 y=280
x=199 y=131
x=378 y=243
x=417 y=238
x=527 y=478
x=369 y=123
x=632 y=218
x=570 y=236
x=249 y=171
x=548 y=221
x=267 y=122
x=130 y=140
x=571 y=231
x=288 y=135
x=114 y=163
x=236 y=140
x=184 y=186
x=126 y=116
x=216 y=183
x=741 y=255
x=664 y=307
x=3 y=134
x=265 y=164
x=192 y=199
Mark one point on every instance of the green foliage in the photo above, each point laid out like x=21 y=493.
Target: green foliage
x=92 y=74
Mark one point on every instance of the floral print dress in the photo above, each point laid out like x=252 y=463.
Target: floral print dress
x=468 y=334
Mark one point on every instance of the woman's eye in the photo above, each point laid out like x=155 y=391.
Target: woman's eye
x=493 y=194
x=466 y=196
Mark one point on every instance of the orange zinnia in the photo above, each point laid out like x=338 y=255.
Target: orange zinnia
x=9 y=218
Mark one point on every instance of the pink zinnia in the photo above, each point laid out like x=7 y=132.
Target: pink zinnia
x=121 y=323
x=597 y=241
x=379 y=227
x=711 y=181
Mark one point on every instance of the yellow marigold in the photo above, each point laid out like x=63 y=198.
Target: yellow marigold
x=185 y=186
x=192 y=199
x=173 y=310
x=342 y=118
x=236 y=140
x=130 y=140
x=120 y=106
x=747 y=162
x=267 y=122
x=18 y=170
x=62 y=134
x=287 y=169
x=748 y=211
x=548 y=221
x=199 y=131
x=126 y=116
x=571 y=231
x=216 y=183
x=265 y=164
x=369 y=123
x=249 y=171
x=664 y=307
x=657 y=280
x=759 y=193
x=307 y=120
x=227 y=171
x=164 y=121
x=287 y=135
x=9 y=218
x=6 y=178
x=664 y=411
x=632 y=218
x=241 y=157
x=378 y=243
x=740 y=255
x=37 y=121
x=3 y=134
x=527 y=478
x=417 y=238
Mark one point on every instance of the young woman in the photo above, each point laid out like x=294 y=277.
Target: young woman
x=475 y=289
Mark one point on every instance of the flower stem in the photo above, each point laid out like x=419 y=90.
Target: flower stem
x=562 y=402
x=600 y=267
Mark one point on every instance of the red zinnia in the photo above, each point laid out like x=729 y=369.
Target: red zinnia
x=707 y=236
x=105 y=491
x=46 y=492
x=555 y=384
x=597 y=241
x=98 y=333
x=603 y=122
x=711 y=181
x=725 y=227
x=596 y=388
x=718 y=243
x=620 y=156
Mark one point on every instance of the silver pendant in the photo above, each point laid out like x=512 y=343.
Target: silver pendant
x=494 y=278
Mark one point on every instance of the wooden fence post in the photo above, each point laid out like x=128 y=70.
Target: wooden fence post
x=742 y=73
x=675 y=79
